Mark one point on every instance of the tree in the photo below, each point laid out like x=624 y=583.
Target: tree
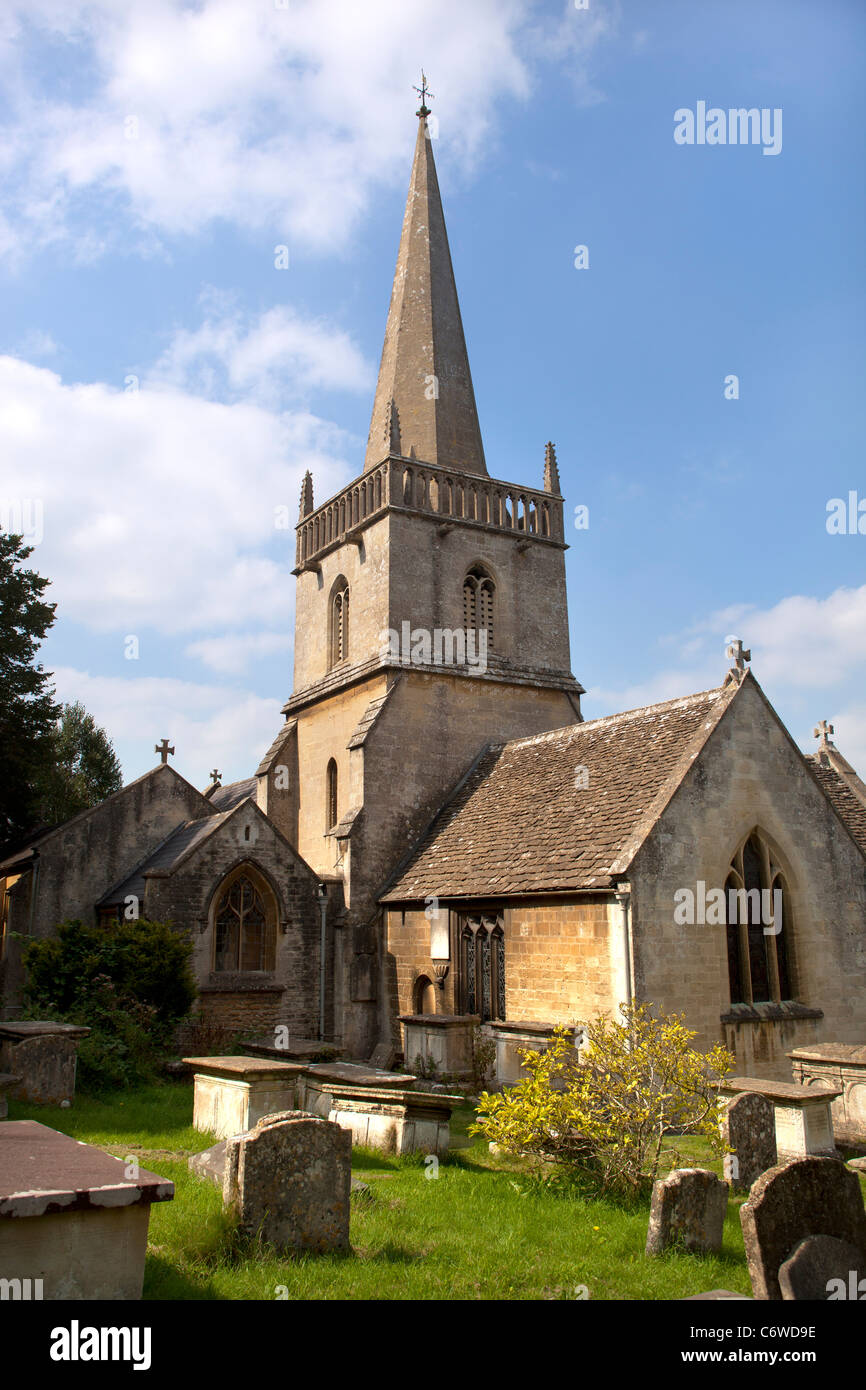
x=83 y=768
x=27 y=708
x=609 y=1108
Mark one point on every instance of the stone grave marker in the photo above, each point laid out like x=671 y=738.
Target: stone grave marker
x=289 y=1179
x=748 y=1126
x=819 y=1266
x=807 y=1197
x=688 y=1209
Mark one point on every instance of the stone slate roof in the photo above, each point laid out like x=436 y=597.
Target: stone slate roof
x=518 y=823
x=166 y=856
x=226 y=798
x=848 y=807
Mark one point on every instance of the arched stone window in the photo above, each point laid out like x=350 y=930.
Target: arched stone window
x=245 y=922
x=339 y=634
x=482 y=967
x=758 y=917
x=331 y=813
x=478 y=603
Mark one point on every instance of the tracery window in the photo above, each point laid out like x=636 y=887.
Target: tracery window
x=482 y=967
x=339 y=634
x=245 y=919
x=478 y=597
x=756 y=898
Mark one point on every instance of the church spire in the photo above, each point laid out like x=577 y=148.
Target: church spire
x=424 y=397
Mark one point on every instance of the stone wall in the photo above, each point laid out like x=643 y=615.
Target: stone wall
x=187 y=896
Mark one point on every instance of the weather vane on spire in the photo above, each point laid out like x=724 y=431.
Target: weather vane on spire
x=424 y=92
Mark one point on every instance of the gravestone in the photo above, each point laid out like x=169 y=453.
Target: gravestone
x=289 y=1180
x=748 y=1127
x=688 y=1209
x=42 y=1056
x=819 y=1266
x=807 y=1197
x=383 y=1057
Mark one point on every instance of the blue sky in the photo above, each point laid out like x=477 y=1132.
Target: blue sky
x=163 y=386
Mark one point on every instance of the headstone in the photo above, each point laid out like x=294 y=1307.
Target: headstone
x=289 y=1180
x=383 y=1057
x=807 y=1197
x=817 y=1266
x=749 y=1128
x=688 y=1209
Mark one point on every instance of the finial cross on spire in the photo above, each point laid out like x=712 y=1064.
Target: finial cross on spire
x=163 y=750
x=738 y=654
x=823 y=732
x=215 y=777
x=424 y=92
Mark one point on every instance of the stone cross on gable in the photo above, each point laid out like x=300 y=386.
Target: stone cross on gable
x=215 y=777
x=738 y=655
x=163 y=750
x=823 y=732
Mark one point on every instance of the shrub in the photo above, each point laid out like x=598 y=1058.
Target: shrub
x=130 y=984
x=609 y=1109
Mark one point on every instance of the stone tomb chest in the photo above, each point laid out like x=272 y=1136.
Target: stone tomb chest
x=72 y=1223
x=804 y=1125
x=43 y=1058
x=843 y=1066
x=380 y=1108
x=233 y=1093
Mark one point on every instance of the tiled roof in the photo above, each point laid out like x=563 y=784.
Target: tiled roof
x=520 y=822
x=166 y=856
x=848 y=807
x=225 y=798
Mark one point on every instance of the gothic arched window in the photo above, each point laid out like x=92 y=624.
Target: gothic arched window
x=482 y=967
x=331 y=816
x=478 y=596
x=758 y=920
x=339 y=634
x=245 y=923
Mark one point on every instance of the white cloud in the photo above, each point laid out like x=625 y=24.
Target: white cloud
x=274 y=118
x=275 y=358
x=159 y=507
x=235 y=653
x=800 y=646
x=208 y=725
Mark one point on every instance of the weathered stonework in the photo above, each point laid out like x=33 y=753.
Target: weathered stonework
x=688 y=1209
x=748 y=1127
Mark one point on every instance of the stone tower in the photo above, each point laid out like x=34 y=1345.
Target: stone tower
x=431 y=619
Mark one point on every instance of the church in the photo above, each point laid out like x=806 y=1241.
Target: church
x=436 y=837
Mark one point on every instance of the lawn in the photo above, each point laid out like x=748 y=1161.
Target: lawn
x=484 y=1227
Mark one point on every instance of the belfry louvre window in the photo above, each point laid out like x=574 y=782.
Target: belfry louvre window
x=331 y=796
x=758 y=919
x=245 y=921
x=482 y=967
x=339 y=635
x=478 y=596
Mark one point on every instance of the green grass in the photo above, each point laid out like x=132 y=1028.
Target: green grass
x=486 y=1228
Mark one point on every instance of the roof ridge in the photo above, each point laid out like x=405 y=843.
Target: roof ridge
x=680 y=702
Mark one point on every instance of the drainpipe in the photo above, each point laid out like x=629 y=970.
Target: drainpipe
x=623 y=897
x=323 y=908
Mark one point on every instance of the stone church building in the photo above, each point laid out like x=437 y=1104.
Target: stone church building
x=435 y=831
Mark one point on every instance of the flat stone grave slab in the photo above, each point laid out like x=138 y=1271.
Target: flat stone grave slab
x=804 y=1124
x=296 y=1049
x=43 y=1056
x=233 y=1093
x=70 y=1217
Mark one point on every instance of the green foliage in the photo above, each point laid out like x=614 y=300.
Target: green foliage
x=130 y=984
x=608 y=1110
x=82 y=769
x=483 y=1058
x=27 y=708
